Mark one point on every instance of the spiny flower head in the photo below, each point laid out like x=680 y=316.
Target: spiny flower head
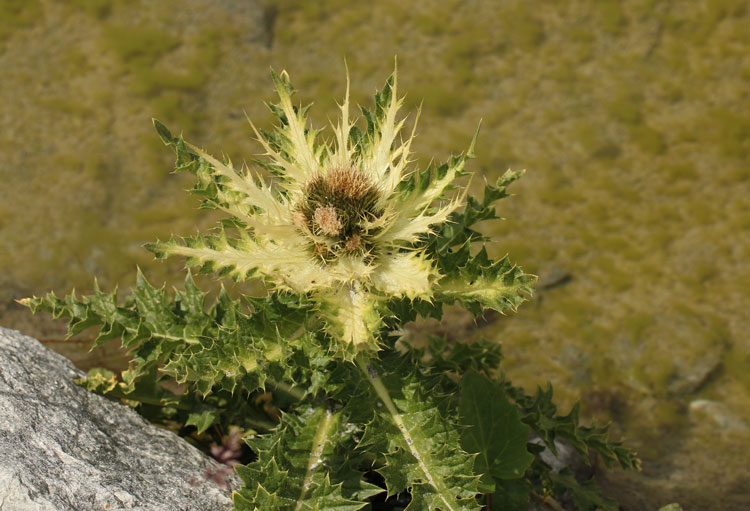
x=337 y=209
x=345 y=222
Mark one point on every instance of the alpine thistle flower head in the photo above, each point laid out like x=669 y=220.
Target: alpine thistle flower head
x=345 y=222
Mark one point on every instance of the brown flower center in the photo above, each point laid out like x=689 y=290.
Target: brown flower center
x=336 y=210
x=348 y=183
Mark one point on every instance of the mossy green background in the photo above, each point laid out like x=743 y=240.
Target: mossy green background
x=632 y=119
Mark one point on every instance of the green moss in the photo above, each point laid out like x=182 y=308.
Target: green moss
x=518 y=250
x=614 y=243
x=523 y=338
x=570 y=308
x=675 y=57
x=731 y=133
x=701 y=273
x=566 y=76
x=610 y=16
x=598 y=212
x=94 y=165
x=431 y=22
x=595 y=142
x=673 y=93
x=148 y=81
x=139 y=45
x=604 y=370
x=17 y=14
x=97 y=8
x=613 y=277
x=525 y=31
x=203 y=59
x=736 y=174
x=563 y=195
x=66 y=106
x=625 y=108
x=636 y=323
x=679 y=170
x=311 y=12
x=68 y=161
x=175 y=109
x=648 y=139
x=76 y=62
x=664 y=420
x=653 y=372
x=439 y=98
x=643 y=8
x=460 y=57
x=702 y=213
x=582 y=40
x=313 y=85
x=717 y=10
x=616 y=188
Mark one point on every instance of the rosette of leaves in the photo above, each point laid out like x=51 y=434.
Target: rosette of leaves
x=352 y=242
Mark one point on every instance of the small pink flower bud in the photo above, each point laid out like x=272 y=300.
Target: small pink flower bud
x=328 y=221
x=353 y=243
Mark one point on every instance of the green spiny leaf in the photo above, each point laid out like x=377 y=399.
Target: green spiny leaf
x=586 y=495
x=421 y=448
x=312 y=447
x=202 y=419
x=478 y=282
x=540 y=413
x=222 y=347
x=99 y=380
x=458 y=229
x=163 y=132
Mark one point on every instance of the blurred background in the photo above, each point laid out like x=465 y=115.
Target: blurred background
x=632 y=119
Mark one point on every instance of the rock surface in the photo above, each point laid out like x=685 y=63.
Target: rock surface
x=64 y=448
x=719 y=415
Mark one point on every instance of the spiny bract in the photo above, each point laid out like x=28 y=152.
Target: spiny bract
x=344 y=223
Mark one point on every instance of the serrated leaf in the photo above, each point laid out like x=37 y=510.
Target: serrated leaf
x=164 y=133
x=299 y=465
x=586 y=495
x=352 y=316
x=494 y=429
x=421 y=448
x=202 y=419
x=221 y=347
x=540 y=413
x=458 y=229
x=478 y=282
x=98 y=380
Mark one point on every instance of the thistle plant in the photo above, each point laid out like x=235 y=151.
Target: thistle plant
x=352 y=242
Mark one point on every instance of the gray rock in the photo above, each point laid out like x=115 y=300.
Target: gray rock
x=566 y=457
x=64 y=448
x=719 y=415
x=676 y=354
x=552 y=277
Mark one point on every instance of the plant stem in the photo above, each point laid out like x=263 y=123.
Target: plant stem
x=295 y=392
x=322 y=435
x=547 y=501
x=377 y=383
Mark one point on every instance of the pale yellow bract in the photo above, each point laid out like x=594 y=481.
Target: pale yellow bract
x=312 y=236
